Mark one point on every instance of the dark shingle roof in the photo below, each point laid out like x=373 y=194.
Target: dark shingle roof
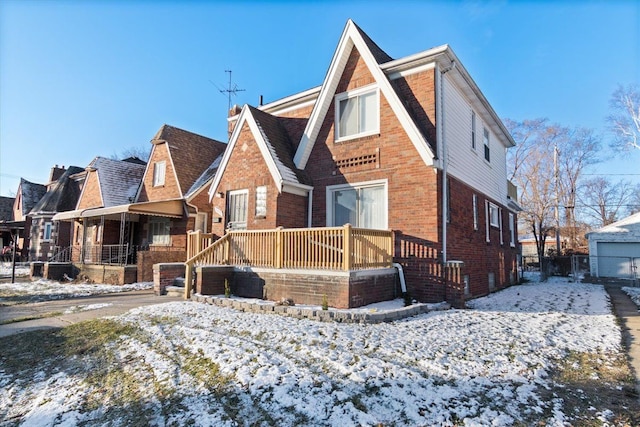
x=63 y=194
x=119 y=180
x=6 y=208
x=31 y=194
x=206 y=176
x=380 y=55
x=281 y=147
x=192 y=154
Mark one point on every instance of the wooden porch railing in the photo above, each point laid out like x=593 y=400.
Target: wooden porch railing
x=300 y=248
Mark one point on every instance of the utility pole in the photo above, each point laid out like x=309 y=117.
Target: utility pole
x=556 y=153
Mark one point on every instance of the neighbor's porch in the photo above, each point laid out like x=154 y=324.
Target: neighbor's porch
x=345 y=266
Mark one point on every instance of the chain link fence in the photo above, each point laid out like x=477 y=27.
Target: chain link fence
x=579 y=266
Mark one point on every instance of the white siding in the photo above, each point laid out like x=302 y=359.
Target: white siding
x=465 y=163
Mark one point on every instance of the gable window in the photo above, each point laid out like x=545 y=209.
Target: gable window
x=512 y=231
x=159 y=231
x=357 y=113
x=237 y=205
x=473 y=130
x=261 y=201
x=47 y=231
x=159 y=169
x=487 y=151
x=362 y=205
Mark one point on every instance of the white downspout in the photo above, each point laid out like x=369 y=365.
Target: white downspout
x=403 y=284
x=310 y=208
x=441 y=132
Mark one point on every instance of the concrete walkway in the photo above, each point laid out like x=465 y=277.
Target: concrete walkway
x=629 y=316
x=64 y=312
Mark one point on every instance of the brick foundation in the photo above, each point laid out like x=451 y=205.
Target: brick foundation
x=109 y=274
x=57 y=270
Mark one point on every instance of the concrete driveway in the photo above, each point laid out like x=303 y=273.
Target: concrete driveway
x=64 y=312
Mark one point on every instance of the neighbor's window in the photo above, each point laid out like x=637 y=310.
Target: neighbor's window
x=494 y=215
x=361 y=205
x=261 y=201
x=475 y=211
x=512 y=230
x=357 y=113
x=159 y=169
x=47 y=231
x=159 y=231
x=487 y=151
x=473 y=130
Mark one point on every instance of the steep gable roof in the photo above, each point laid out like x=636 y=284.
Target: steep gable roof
x=205 y=178
x=62 y=196
x=30 y=193
x=6 y=208
x=118 y=180
x=190 y=153
x=373 y=56
x=276 y=148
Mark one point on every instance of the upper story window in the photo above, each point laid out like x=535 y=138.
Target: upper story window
x=494 y=215
x=357 y=113
x=473 y=130
x=47 y=231
x=159 y=169
x=487 y=151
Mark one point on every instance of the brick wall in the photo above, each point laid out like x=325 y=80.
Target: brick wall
x=91 y=196
x=147 y=259
x=170 y=188
x=165 y=274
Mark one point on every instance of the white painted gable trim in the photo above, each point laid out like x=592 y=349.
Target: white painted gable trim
x=268 y=156
x=351 y=38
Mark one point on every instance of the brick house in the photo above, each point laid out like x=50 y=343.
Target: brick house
x=28 y=195
x=61 y=195
x=132 y=214
x=409 y=145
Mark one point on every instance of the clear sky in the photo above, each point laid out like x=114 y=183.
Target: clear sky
x=81 y=79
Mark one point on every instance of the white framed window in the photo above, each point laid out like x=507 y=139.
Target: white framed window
x=512 y=231
x=261 y=201
x=475 y=211
x=159 y=231
x=487 y=150
x=494 y=215
x=46 y=235
x=357 y=113
x=473 y=129
x=362 y=205
x=237 y=206
x=159 y=169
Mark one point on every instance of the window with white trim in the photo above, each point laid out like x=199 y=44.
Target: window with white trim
x=487 y=150
x=494 y=215
x=473 y=129
x=159 y=231
x=159 y=169
x=261 y=201
x=357 y=113
x=46 y=236
x=237 y=206
x=512 y=230
x=362 y=205
x=475 y=211
x=500 y=222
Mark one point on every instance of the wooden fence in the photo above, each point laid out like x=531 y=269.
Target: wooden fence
x=300 y=248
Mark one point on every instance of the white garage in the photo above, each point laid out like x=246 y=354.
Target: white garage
x=614 y=250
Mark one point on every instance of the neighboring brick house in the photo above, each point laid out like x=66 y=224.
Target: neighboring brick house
x=62 y=195
x=133 y=213
x=6 y=217
x=27 y=196
x=410 y=145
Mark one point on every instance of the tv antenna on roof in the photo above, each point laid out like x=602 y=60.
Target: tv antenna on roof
x=230 y=91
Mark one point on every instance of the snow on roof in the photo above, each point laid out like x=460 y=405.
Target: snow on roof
x=628 y=227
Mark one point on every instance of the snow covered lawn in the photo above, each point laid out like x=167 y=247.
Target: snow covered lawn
x=45 y=290
x=534 y=354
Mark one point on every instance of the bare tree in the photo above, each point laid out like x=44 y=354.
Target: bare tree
x=633 y=205
x=603 y=201
x=624 y=120
x=141 y=152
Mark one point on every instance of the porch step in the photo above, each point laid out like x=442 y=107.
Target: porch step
x=174 y=291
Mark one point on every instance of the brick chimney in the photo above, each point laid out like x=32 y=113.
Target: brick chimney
x=56 y=172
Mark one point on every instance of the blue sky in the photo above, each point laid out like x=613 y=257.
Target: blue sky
x=82 y=79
